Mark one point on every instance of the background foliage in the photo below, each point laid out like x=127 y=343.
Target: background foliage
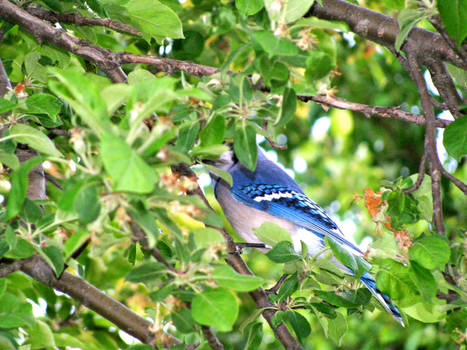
x=121 y=213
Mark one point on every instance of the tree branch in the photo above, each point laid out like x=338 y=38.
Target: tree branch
x=368 y=111
x=9 y=267
x=110 y=62
x=5 y=84
x=421 y=175
x=462 y=186
x=443 y=82
x=79 y=20
x=383 y=30
x=88 y=295
x=430 y=141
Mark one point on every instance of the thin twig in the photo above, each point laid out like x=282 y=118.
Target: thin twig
x=462 y=186
x=79 y=20
x=212 y=340
x=421 y=175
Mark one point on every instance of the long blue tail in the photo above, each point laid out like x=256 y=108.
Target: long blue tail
x=370 y=283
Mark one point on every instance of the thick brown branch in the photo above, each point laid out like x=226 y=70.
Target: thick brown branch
x=447 y=90
x=9 y=267
x=93 y=298
x=430 y=142
x=5 y=84
x=79 y=20
x=383 y=30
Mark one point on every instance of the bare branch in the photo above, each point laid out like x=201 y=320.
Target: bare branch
x=5 y=84
x=383 y=30
x=443 y=82
x=421 y=175
x=368 y=111
x=212 y=340
x=462 y=186
x=436 y=22
x=9 y=267
x=88 y=295
x=79 y=20
x=430 y=141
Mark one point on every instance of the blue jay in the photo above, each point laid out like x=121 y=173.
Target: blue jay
x=269 y=194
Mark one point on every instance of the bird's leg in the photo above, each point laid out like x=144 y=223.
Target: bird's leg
x=276 y=287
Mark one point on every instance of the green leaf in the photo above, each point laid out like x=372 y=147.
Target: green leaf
x=6 y=105
x=83 y=96
x=19 y=185
x=22 y=250
x=296 y=9
x=245 y=144
x=424 y=280
x=455 y=136
x=214 y=131
x=9 y=159
x=55 y=257
x=183 y=321
x=283 y=252
x=224 y=175
x=226 y=277
x=299 y=323
x=205 y=237
x=424 y=197
x=288 y=287
x=425 y=312
x=75 y=241
x=430 y=252
x=393 y=279
x=288 y=107
x=215 y=307
x=87 y=204
x=334 y=299
x=408 y=18
x=43 y=104
x=454 y=17
x=274 y=45
x=147 y=222
x=127 y=169
x=41 y=336
x=114 y=96
x=154 y=19
x=255 y=336
x=355 y=262
x=34 y=138
x=318 y=65
x=271 y=233
x=249 y=7
x=209 y=152
x=146 y=272
x=187 y=136
x=14 y=312
x=337 y=328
